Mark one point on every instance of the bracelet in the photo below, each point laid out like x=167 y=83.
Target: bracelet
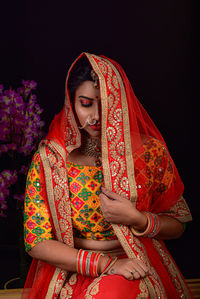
x=112 y=262
x=108 y=263
x=87 y=262
x=153 y=226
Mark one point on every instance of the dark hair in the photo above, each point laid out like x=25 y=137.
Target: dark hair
x=80 y=72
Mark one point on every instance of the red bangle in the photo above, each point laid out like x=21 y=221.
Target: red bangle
x=78 y=261
x=84 y=262
x=92 y=259
x=96 y=263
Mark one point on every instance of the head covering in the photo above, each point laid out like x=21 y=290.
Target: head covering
x=126 y=126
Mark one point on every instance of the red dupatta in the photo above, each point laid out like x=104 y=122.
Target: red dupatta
x=125 y=127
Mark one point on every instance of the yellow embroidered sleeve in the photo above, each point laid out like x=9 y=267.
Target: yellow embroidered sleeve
x=37 y=226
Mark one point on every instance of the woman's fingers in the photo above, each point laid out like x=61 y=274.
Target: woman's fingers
x=131 y=269
x=110 y=194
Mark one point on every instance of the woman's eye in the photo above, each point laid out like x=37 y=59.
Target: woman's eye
x=86 y=103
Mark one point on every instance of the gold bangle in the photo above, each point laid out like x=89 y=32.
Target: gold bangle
x=137 y=233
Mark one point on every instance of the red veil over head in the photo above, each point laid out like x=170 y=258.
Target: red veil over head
x=125 y=125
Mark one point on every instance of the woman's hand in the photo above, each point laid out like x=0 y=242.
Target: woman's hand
x=131 y=269
x=118 y=209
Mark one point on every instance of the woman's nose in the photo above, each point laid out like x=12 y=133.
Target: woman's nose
x=97 y=112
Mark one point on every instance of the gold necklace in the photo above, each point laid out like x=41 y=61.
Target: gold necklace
x=91 y=147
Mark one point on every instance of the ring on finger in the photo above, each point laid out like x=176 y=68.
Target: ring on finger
x=132 y=272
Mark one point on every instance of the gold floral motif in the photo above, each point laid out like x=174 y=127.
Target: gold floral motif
x=63 y=226
x=110 y=100
x=110 y=133
x=120 y=148
x=143 y=291
x=73 y=279
x=118 y=115
x=114 y=167
x=103 y=67
x=52 y=159
x=115 y=82
x=124 y=184
x=58 y=192
x=66 y=292
x=93 y=288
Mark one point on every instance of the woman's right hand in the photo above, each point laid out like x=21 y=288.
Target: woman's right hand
x=130 y=268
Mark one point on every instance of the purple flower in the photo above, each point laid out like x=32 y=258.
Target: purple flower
x=20 y=132
x=6 y=100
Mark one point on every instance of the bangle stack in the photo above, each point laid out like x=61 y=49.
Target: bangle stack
x=153 y=226
x=87 y=263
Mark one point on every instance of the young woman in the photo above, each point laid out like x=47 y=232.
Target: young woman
x=102 y=193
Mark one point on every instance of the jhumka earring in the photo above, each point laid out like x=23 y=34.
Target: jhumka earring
x=95 y=79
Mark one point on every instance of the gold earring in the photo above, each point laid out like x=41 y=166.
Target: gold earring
x=95 y=79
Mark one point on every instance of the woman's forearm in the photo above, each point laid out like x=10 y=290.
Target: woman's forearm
x=55 y=253
x=171 y=228
x=60 y=255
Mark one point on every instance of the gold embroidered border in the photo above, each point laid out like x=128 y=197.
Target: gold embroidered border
x=127 y=138
x=104 y=146
x=52 y=284
x=50 y=195
x=158 y=245
x=128 y=156
x=49 y=187
x=179 y=211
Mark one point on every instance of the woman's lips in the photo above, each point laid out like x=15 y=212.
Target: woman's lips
x=96 y=127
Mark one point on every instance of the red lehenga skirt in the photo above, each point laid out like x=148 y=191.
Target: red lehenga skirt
x=76 y=286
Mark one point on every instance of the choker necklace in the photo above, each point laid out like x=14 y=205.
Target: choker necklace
x=91 y=147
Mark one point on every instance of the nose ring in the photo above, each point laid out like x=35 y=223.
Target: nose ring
x=92 y=122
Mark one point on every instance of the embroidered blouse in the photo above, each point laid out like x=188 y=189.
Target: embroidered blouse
x=153 y=176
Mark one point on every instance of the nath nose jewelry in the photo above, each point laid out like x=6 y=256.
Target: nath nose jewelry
x=88 y=122
x=92 y=122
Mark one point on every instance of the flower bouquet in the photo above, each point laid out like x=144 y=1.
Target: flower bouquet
x=21 y=129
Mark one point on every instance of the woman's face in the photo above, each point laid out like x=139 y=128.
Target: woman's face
x=88 y=103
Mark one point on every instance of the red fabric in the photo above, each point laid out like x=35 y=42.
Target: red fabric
x=38 y=279
x=142 y=127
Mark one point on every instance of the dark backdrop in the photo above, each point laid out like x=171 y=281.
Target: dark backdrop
x=155 y=42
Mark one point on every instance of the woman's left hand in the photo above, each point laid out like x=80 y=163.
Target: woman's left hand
x=118 y=209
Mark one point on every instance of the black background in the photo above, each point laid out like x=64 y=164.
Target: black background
x=155 y=42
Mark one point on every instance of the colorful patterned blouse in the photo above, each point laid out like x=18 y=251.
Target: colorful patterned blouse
x=154 y=177
x=85 y=183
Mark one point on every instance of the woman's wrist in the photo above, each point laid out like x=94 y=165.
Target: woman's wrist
x=103 y=261
x=141 y=222
x=153 y=226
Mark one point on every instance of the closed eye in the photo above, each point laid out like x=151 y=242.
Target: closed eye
x=86 y=103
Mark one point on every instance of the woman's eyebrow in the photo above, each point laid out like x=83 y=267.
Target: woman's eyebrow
x=91 y=99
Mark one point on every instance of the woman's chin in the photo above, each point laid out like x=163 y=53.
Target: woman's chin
x=93 y=133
